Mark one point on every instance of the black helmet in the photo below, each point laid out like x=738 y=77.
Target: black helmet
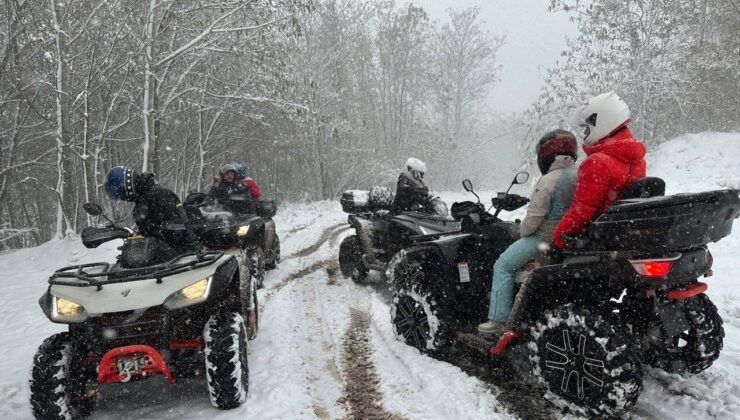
x=555 y=143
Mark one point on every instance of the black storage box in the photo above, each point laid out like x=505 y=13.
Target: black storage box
x=672 y=222
x=355 y=201
x=266 y=208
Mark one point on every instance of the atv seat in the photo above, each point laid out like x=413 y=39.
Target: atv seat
x=644 y=188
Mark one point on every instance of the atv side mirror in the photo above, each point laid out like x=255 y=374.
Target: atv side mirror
x=93 y=209
x=467 y=185
x=521 y=178
x=469 y=188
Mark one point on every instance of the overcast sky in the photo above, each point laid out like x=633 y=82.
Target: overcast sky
x=534 y=40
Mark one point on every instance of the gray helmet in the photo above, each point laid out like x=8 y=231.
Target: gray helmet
x=226 y=168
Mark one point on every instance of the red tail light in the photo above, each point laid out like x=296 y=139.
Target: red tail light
x=654 y=268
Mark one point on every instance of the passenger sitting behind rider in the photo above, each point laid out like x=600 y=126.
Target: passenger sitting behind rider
x=614 y=160
x=411 y=193
x=556 y=158
x=243 y=176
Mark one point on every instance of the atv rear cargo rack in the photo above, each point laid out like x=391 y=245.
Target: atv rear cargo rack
x=108 y=274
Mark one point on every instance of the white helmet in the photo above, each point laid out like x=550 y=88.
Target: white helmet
x=600 y=116
x=416 y=168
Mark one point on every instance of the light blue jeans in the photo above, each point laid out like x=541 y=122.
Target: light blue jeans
x=504 y=270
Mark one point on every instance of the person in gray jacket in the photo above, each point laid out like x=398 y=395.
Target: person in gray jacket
x=556 y=158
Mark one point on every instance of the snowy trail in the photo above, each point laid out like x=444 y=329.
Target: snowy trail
x=326 y=348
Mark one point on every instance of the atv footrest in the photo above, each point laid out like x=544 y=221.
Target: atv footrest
x=477 y=342
x=488 y=344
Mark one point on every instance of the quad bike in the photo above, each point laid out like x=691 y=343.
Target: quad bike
x=623 y=296
x=381 y=233
x=252 y=229
x=155 y=311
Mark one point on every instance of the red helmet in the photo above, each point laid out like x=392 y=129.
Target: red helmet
x=555 y=143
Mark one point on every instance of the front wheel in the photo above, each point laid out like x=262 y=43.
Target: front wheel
x=58 y=384
x=586 y=362
x=415 y=312
x=227 y=368
x=695 y=349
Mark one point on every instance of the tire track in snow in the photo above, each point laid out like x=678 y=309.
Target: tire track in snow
x=361 y=394
x=323 y=374
x=326 y=235
x=331 y=234
x=303 y=272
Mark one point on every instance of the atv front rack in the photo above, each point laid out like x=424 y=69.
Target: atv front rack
x=104 y=274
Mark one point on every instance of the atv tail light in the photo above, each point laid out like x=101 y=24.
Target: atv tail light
x=654 y=268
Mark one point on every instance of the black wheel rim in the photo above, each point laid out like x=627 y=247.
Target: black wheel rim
x=571 y=366
x=411 y=322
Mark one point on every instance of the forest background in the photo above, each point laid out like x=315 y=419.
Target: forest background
x=319 y=96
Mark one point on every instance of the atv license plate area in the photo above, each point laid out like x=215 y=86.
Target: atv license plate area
x=462 y=269
x=131 y=366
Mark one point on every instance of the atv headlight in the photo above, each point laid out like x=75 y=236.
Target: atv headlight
x=190 y=295
x=196 y=290
x=65 y=310
x=243 y=230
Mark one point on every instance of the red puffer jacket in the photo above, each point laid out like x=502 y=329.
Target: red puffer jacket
x=254 y=189
x=612 y=163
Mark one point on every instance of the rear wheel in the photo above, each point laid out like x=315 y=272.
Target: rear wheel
x=586 y=362
x=257 y=264
x=275 y=255
x=695 y=349
x=415 y=311
x=58 y=384
x=227 y=368
x=350 y=259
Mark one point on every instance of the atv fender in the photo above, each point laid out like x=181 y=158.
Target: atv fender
x=553 y=285
x=363 y=229
x=224 y=274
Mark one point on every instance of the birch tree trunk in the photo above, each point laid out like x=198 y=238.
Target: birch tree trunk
x=63 y=161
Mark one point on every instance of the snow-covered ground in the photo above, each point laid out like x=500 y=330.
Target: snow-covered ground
x=325 y=343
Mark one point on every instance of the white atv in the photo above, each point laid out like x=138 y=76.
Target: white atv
x=155 y=311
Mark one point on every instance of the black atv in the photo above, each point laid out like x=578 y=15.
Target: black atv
x=623 y=296
x=380 y=232
x=156 y=311
x=242 y=223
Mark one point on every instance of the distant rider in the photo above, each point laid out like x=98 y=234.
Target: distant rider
x=615 y=159
x=411 y=193
x=154 y=205
x=229 y=186
x=556 y=158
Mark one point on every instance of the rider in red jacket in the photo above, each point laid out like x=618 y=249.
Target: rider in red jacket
x=614 y=159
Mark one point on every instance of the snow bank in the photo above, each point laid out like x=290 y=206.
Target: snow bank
x=697 y=162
